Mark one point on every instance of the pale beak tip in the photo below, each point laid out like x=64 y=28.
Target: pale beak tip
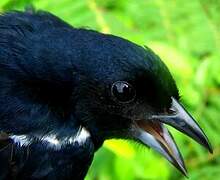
x=183 y=170
x=206 y=144
x=185 y=173
x=210 y=149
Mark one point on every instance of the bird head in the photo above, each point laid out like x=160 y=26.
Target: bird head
x=60 y=78
x=129 y=93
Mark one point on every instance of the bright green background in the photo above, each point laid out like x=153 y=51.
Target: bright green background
x=186 y=35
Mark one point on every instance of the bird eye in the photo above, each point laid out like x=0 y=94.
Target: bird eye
x=123 y=91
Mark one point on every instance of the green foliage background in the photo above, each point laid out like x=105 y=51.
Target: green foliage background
x=186 y=35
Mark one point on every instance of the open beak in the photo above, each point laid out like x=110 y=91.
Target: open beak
x=153 y=133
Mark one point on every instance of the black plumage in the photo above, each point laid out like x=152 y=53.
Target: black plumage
x=65 y=90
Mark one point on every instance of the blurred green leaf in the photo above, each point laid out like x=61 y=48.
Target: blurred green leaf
x=120 y=148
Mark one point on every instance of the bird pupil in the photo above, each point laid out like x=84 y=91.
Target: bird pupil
x=123 y=91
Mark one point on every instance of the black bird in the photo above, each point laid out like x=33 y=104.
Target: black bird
x=65 y=90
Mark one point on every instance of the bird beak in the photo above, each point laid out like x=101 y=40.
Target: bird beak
x=153 y=133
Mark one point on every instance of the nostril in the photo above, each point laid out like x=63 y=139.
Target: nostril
x=171 y=111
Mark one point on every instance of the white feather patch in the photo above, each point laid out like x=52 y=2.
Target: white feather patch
x=52 y=141
x=21 y=140
x=81 y=136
